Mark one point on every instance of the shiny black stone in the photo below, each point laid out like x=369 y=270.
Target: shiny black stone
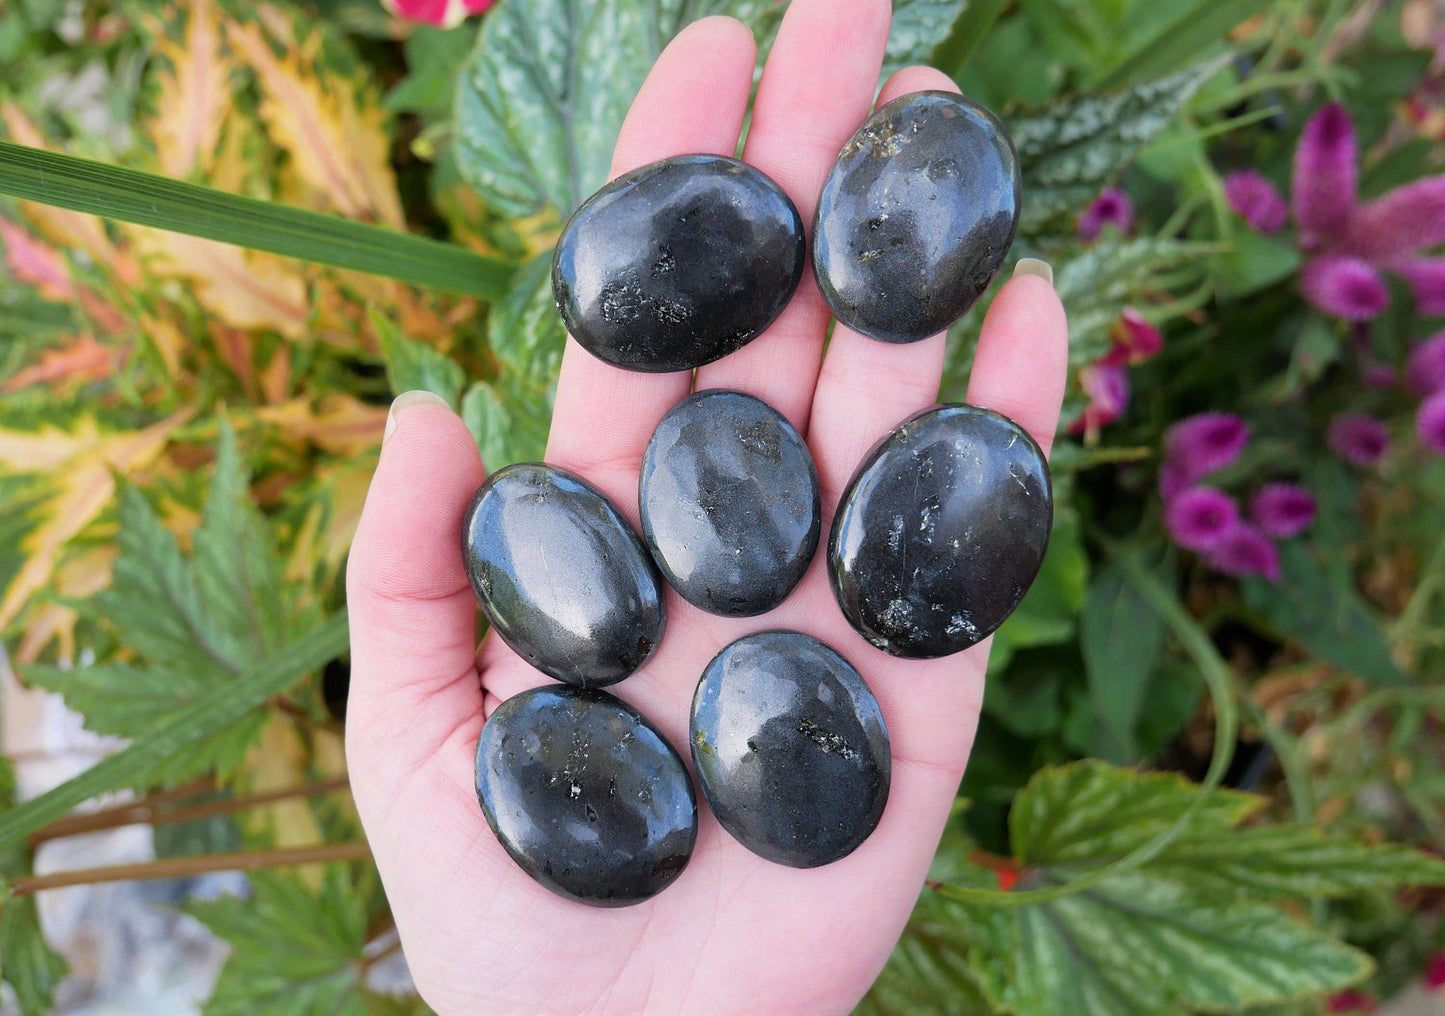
x=562 y=575
x=916 y=216
x=678 y=263
x=789 y=748
x=729 y=500
x=586 y=795
x=940 y=531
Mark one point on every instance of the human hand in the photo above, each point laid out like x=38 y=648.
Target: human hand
x=734 y=933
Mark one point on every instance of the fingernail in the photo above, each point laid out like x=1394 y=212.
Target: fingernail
x=1034 y=266
x=414 y=397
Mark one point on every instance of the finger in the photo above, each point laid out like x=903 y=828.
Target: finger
x=413 y=678
x=816 y=90
x=867 y=387
x=692 y=102
x=1023 y=356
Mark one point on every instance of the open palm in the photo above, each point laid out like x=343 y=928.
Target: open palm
x=734 y=933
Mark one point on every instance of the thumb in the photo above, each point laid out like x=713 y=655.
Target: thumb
x=413 y=651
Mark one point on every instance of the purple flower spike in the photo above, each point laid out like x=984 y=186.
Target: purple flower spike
x=1282 y=510
x=1251 y=195
x=1430 y=423
x=1358 y=439
x=1206 y=442
x=1107 y=387
x=1244 y=550
x=1426 y=277
x=1199 y=516
x=1323 y=188
x=1381 y=376
x=1394 y=226
x=1344 y=288
x=1426 y=369
x=1112 y=207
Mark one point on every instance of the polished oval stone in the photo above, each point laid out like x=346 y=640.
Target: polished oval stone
x=916 y=216
x=586 y=795
x=789 y=748
x=729 y=500
x=678 y=263
x=940 y=531
x=562 y=575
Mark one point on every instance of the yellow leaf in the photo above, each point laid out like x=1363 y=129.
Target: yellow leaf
x=340 y=424
x=245 y=289
x=81 y=468
x=277 y=761
x=166 y=336
x=81 y=576
x=324 y=536
x=332 y=129
x=194 y=95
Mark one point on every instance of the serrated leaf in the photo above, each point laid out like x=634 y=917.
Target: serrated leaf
x=27 y=963
x=917 y=29
x=1122 y=639
x=1071 y=148
x=293 y=952
x=541 y=101
x=413 y=365
x=192 y=94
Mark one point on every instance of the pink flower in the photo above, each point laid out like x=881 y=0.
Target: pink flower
x=1174 y=479
x=1107 y=387
x=1135 y=340
x=1244 y=550
x=1251 y=195
x=1381 y=376
x=1426 y=368
x=1426 y=277
x=1199 y=517
x=1430 y=423
x=1358 y=439
x=1112 y=207
x=1352 y=1000
x=1282 y=510
x=1206 y=442
x=1434 y=978
x=1324 y=185
x=1344 y=287
x=442 y=13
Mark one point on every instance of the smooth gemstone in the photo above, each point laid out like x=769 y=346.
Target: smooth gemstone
x=916 y=216
x=562 y=575
x=789 y=748
x=678 y=263
x=586 y=795
x=940 y=531
x=729 y=500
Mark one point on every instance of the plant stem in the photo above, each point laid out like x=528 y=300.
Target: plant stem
x=201 y=864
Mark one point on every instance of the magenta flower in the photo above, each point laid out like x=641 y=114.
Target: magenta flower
x=1434 y=978
x=1426 y=368
x=1353 y=243
x=1199 y=517
x=1244 y=550
x=1206 y=442
x=1174 y=479
x=1358 y=439
x=1282 y=510
x=1135 y=340
x=1107 y=387
x=442 y=13
x=1430 y=423
x=1110 y=208
x=1351 y=1000
x=1251 y=195
x=1381 y=375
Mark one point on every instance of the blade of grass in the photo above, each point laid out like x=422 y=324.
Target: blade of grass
x=114 y=192
x=968 y=31
x=1180 y=42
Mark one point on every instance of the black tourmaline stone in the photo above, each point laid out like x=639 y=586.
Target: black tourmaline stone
x=916 y=216
x=561 y=575
x=729 y=500
x=678 y=263
x=941 y=531
x=586 y=795
x=790 y=749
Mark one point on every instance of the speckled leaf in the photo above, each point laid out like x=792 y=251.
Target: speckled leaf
x=541 y=100
x=918 y=27
x=1073 y=147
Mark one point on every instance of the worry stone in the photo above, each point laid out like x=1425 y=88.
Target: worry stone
x=678 y=263
x=940 y=531
x=789 y=748
x=562 y=575
x=916 y=216
x=729 y=500
x=586 y=795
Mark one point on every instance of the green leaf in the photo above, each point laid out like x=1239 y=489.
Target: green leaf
x=1122 y=638
x=541 y=101
x=970 y=29
x=1049 y=611
x=1027 y=696
x=27 y=963
x=293 y=952
x=1195 y=30
x=919 y=26
x=128 y=195
x=413 y=365
x=434 y=59
x=1256 y=262
x=1328 y=618
x=1072 y=147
